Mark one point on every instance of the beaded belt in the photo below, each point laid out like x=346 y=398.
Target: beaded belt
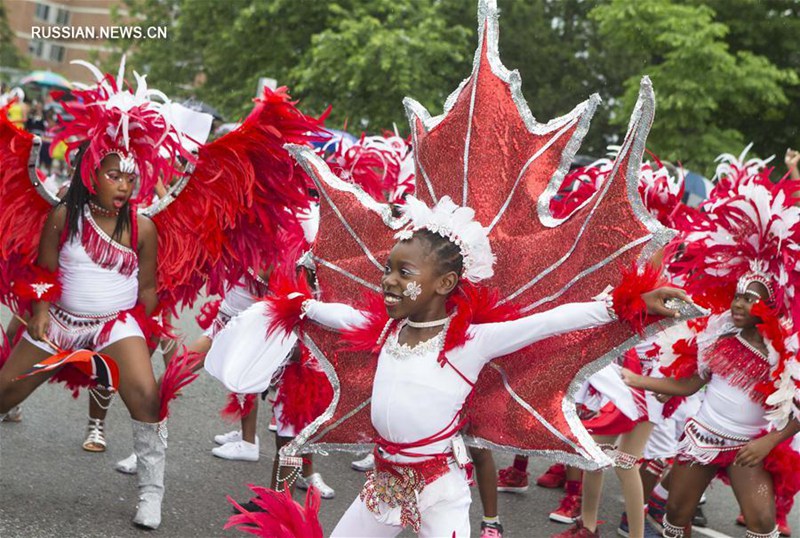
x=72 y=329
x=399 y=485
x=703 y=444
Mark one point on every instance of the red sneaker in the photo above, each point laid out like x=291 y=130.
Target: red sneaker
x=783 y=526
x=569 y=511
x=578 y=531
x=512 y=480
x=554 y=477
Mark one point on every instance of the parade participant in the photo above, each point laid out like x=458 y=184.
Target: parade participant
x=485 y=149
x=423 y=270
x=102 y=254
x=746 y=355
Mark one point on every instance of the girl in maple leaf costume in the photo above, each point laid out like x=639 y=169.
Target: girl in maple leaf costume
x=429 y=360
x=488 y=152
x=747 y=241
x=92 y=275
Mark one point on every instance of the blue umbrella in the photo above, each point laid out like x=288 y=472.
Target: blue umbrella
x=46 y=78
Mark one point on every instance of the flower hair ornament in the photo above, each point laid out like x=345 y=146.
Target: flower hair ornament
x=457 y=224
x=111 y=118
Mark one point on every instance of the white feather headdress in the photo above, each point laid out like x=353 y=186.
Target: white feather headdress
x=457 y=224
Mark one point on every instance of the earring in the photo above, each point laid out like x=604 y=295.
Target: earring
x=413 y=290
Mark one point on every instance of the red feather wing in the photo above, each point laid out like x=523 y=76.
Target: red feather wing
x=238 y=210
x=23 y=209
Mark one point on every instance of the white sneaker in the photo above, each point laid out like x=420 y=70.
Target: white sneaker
x=13 y=415
x=325 y=491
x=238 y=450
x=365 y=464
x=230 y=437
x=273 y=424
x=127 y=466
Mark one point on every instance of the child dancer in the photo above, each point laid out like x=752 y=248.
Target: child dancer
x=746 y=356
x=415 y=403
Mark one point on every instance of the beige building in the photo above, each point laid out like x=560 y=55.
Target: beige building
x=52 y=33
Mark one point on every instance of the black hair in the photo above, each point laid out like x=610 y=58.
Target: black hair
x=78 y=196
x=447 y=253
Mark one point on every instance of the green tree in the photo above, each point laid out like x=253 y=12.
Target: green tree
x=700 y=83
x=769 y=28
x=371 y=56
x=9 y=54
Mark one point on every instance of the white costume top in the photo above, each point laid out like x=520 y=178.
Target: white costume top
x=88 y=288
x=237 y=299
x=414 y=397
x=727 y=408
x=731 y=410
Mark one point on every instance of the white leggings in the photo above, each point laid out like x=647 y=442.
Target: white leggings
x=444 y=507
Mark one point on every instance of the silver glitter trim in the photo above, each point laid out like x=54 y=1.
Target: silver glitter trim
x=162 y=203
x=336 y=424
x=525 y=405
x=599 y=459
x=351 y=276
x=488 y=21
x=33 y=163
x=633 y=146
x=321 y=174
x=296 y=445
x=589 y=270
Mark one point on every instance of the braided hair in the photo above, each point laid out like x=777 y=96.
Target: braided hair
x=78 y=196
x=447 y=253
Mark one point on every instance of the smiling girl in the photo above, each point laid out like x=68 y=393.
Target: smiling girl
x=431 y=349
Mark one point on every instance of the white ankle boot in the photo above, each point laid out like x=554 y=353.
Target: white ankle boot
x=150 y=447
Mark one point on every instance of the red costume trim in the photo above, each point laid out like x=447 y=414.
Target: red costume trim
x=304 y=391
x=282 y=516
x=627 y=296
x=238 y=406
x=208 y=313
x=106 y=252
x=39 y=284
x=179 y=373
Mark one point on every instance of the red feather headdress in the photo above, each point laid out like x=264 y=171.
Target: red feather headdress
x=112 y=118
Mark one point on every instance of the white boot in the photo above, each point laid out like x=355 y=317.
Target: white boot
x=150 y=447
x=127 y=466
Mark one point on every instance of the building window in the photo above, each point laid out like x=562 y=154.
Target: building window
x=56 y=53
x=62 y=16
x=42 y=12
x=36 y=48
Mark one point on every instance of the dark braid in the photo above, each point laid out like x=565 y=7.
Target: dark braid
x=447 y=253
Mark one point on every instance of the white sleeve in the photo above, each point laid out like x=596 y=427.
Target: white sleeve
x=334 y=315
x=497 y=339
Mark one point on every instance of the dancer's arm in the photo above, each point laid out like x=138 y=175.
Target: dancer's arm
x=498 y=339
x=756 y=450
x=334 y=315
x=147 y=251
x=664 y=385
x=47 y=260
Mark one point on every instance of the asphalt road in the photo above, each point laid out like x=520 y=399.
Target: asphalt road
x=50 y=487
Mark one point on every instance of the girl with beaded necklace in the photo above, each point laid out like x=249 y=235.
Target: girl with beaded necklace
x=420 y=480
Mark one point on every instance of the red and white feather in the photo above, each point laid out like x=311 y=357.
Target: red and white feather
x=381 y=165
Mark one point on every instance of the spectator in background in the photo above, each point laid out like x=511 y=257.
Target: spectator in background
x=36 y=124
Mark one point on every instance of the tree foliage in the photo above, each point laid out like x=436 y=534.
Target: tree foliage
x=9 y=55
x=725 y=71
x=705 y=91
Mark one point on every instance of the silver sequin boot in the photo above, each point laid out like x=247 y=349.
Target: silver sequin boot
x=150 y=447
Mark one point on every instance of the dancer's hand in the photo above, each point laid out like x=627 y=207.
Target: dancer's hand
x=38 y=325
x=754 y=452
x=656 y=298
x=792 y=158
x=663 y=398
x=629 y=378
